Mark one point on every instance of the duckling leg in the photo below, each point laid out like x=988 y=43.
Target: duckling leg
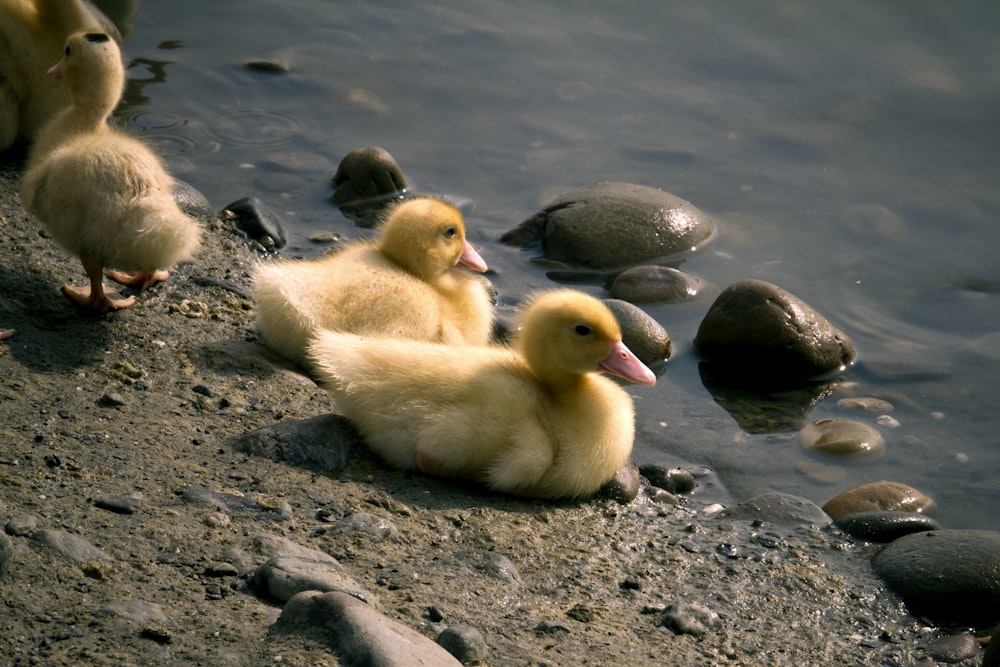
x=138 y=279
x=94 y=297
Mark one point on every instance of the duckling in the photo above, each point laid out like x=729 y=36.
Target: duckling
x=32 y=35
x=102 y=195
x=536 y=420
x=410 y=282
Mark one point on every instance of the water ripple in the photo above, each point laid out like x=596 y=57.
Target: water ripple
x=254 y=127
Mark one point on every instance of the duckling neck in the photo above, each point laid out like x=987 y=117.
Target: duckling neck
x=87 y=117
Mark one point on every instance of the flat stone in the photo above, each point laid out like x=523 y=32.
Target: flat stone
x=883 y=526
x=843 y=439
x=878 y=496
x=328 y=441
x=72 y=546
x=650 y=284
x=779 y=508
x=358 y=634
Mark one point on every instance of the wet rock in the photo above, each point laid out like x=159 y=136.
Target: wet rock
x=252 y=217
x=672 y=480
x=192 y=201
x=377 y=527
x=72 y=546
x=624 y=486
x=950 y=576
x=358 y=634
x=843 y=439
x=760 y=329
x=464 y=642
x=646 y=337
x=368 y=180
x=885 y=526
x=779 y=508
x=648 y=284
x=954 y=648
x=328 y=441
x=614 y=225
x=879 y=496
x=690 y=618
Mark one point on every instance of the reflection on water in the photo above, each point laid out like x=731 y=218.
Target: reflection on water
x=848 y=151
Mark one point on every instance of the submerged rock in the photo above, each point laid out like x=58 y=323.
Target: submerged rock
x=614 y=225
x=843 y=439
x=648 y=284
x=878 y=497
x=759 y=329
x=646 y=337
x=252 y=217
x=368 y=180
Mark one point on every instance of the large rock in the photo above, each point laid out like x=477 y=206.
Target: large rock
x=614 y=225
x=755 y=327
x=948 y=576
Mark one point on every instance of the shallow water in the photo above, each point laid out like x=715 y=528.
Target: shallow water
x=849 y=151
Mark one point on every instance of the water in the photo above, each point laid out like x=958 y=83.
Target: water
x=850 y=152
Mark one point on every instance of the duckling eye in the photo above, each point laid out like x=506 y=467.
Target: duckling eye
x=66 y=51
x=582 y=330
x=451 y=232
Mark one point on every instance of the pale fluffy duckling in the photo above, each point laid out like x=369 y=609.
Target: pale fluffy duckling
x=32 y=35
x=102 y=195
x=410 y=282
x=538 y=420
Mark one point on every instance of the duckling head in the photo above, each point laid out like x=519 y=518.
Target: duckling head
x=427 y=238
x=565 y=334
x=92 y=68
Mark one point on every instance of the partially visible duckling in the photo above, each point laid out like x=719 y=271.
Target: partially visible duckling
x=538 y=420
x=411 y=282
x=102 y=195
x=32 y=35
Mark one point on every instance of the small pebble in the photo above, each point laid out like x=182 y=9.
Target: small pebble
x=464 y=642
x=111 y=399
x=22 y=525
x=123 y=505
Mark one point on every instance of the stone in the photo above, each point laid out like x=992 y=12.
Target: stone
x=72 y=546
x=950 y=576
x=623 y=487
x=646 y=337
x=883 y=526
x=953 y=648
x=464 y=642
x=376 y=527
x=878 y=496
x=612 y=225
x=649 y=284
x=328 y=441
x=21 y=525
x=673 y=480
x=757 y=328
x=690 y=618
x=192 y=201
x=368 y=182
x=282 y=577
x=358 y=634
x=255 y=219
x=138 y=611
x=779 y=508
x=843 y=439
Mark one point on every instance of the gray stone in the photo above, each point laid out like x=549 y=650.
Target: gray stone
x=377 y=527
x=950 y=576
x=138 y=611
x=358 y=634
x=120 y=504
x=6 y=554
x=254 y=218
x=885 y=526
x=624 y=486
x=646 y=337
x=464 y=642
x=779 y=508
x=192 y=201
x=328 y=441
x=690 y=618
x=502 y=568
x=648 y=284
x=762 y=330
x=954 y=648
x=673 y=480
x=72 y=546
x=23 y=524
x=614 y=225
x=282 y=577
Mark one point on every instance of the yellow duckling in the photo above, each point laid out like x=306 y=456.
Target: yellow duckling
x=536 y=421
x=32 y=35
x=102 y=195
x=410 y=282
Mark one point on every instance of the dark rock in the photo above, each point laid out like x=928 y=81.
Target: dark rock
x=368 y=181
x=328 y=441
x=648 y=284
x=614 y=225
x=192 y=201
x=950 y=576
x=779 y=508
x=119 y=505
x=954 y=648
x=464 y=642
x=760 y=329
x=252 y=217
x=624 y=486
x=885 y=526
x=358 y=634
x=673 y=480
x=72 y=546
x=646 y=337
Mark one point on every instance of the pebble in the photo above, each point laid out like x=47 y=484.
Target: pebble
x=878 y=496
x=21 y=525
x=358 y=634
x=502 y=568
x=119 y=505
x=763 y=330
x=464 y=642
x=328 y=441
x=867 y=404
x=252 y=217
x=954 y=648
x=673 y=480
x=111 y=399
x=376 y=527
x=885 y=526
x=650 y=284
x=623 y=487
x=843 y=439
x=690 y=618
x=951 y=576
x=779 y=508
x=137 y=611
x=72 y=546
x=646 y=337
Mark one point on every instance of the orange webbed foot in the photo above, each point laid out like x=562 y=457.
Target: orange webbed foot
x=138 y=279
x=98 y=301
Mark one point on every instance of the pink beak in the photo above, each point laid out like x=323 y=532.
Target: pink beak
x=624 y=364
x=55 y=70
x=470 y=259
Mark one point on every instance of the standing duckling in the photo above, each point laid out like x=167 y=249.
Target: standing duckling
x=102 y=195
x=539 y=420
x=32 y=35
x=411 y=282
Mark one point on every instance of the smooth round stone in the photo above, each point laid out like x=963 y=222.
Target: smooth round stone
x=879 y=496
x=843 y=439
x=613 y=225
x=949 y=576
x=885 y=526
x=255 y=219
x=759 y=328
x=464 y=642
x=779 y=508
x=623 y=487
x=648 y=284
x=954 y=648
x=646 y=337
